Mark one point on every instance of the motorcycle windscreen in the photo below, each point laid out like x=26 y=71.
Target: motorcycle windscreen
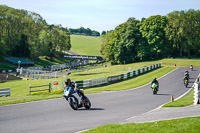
x=68 y=91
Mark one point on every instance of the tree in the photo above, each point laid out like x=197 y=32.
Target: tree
x=83 y=31
x=103 y=33
x=120 y=46
x=152 y=29
x=192 y=31
x=174 y=32
x=26 y=34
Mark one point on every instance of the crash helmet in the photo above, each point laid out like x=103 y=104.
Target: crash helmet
x=67 y=81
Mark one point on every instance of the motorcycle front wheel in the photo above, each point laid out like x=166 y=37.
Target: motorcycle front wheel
x=73 y=103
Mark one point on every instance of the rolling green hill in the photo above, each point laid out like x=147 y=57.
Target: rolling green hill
x=86 y=45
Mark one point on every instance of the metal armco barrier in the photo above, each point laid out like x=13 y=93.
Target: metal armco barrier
x=4 y=92
x=115 y=78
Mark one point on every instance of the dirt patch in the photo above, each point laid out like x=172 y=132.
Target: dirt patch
x=6 y=76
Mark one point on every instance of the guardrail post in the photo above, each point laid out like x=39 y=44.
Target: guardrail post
x=9 y=92
x=29 y=89
x=49 y=86
x=196 y=94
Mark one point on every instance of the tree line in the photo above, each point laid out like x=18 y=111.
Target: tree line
x=26 y=34
x=84 y=31
x=174 y=35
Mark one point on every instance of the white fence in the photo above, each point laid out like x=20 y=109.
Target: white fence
x=115 y=78
x=197 y=92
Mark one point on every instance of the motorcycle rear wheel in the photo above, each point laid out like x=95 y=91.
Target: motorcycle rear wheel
x=154 y=92
x=87 y=103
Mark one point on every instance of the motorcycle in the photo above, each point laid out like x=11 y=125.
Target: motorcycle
x=154 y=87
x=191 y=67
x=76 y=99
x=186 y=82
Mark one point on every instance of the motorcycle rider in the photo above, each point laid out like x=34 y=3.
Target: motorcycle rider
x=155 y=81
x=191 y=67
x=69 y=83
x=186 y=75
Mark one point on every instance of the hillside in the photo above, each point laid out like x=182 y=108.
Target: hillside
x=86 y=45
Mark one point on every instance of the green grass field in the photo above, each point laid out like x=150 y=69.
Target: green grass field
x=20 y=89
x=184 y=101
x=86 y=45
x=184 y=125
x=180 y=62
x=45 y=62
x=133 y=82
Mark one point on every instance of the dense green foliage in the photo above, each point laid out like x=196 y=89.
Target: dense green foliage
x=174 y=35
x=83 y=31
x=26 y=34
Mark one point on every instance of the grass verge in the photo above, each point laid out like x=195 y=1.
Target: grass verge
x=184 y=101
x=133 y=82
x=20 y=89
x=183 y=125
x=86 y=45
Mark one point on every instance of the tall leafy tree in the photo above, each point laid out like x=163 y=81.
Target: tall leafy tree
x=192 y=31
x=174 y=32
x=121 y=48
x=26 y=34
x=152 y=29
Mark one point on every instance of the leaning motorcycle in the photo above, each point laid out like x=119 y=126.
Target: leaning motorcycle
x=154 y=87
x=76 y=99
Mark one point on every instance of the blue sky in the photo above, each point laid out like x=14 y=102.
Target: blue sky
x=99 y=14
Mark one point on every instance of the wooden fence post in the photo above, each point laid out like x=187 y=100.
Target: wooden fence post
x=49 y=86
x=29 y=89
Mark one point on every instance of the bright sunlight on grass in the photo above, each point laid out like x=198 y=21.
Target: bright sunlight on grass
x=184 y=125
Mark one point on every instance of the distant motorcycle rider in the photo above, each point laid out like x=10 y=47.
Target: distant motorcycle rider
x=69 y=83
x=191 y=67
x=186 y=75
x=155 y=81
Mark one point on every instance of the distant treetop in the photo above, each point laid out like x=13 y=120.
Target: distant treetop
x=83 y=31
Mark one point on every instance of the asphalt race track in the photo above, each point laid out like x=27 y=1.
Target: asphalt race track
x=56 y=116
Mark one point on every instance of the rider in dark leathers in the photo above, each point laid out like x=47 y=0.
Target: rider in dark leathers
x=155 y=81
x=186 y=75
x=69 y=83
